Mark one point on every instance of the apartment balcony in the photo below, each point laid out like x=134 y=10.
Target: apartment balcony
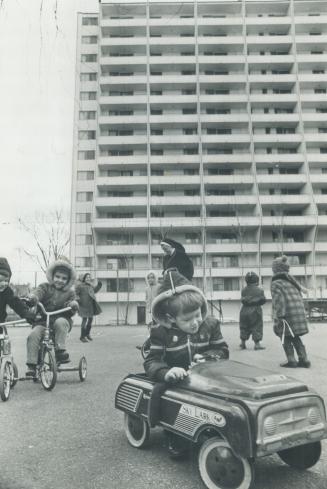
x=277 y=158
x=119 y=249
x=135 y=101
x=237 y=160
x=192 y=248
x=267 y=59
x=313 y=98
x=174 y=180
x=114 y=120
x=281 y=200
x=175 y=200
x=138 y=40
x=272 y=79
x=231 y=39
x=286 y=247
x=177 y=99
x=262 y=120
x=116 y=162
x=114 y=202
x=232 y=222
x=105 y=224
x=232 y=248
x=235 y=181
x=293 y=221
x=318 y=178
x=176 y=119
x=315 y=159
x=322 y=220
x=277 y=139
x=320 y=246
x=135 y=79
x=122 y=182
x=232 y=79
x=237 y=119
x=234 y=139
x=138 y=140
x=320 y=199
x=263 y=41
x=103 y=297
x=117 y=61
x=169 y=62
x=315 y=137
x=311 y=58
x=312 y=40
x=308 y=19
x=280 y=20
x=278 y=181
x=229 y=59
x=174 y=139
x=313 y=117
x=173 y=160
x=135 y=22
x=310 y=78
x=273 y=98
x=176 y=78
x=230 y=100
x=231 y=200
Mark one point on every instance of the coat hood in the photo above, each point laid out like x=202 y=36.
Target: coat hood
x=175 y=244
x=60 y=263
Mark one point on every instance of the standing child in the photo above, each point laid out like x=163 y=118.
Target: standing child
x=7 y=296
x=55 y=294
x=185 y=334
x=251 y=322
x=288 y=313
x=88 y=305
x=150 y=293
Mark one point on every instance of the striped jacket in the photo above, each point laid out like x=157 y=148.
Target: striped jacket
x=174 y=348
x=287 y=303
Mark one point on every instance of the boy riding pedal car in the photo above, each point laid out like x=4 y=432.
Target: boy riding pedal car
x=55 y=294
x=185 y=335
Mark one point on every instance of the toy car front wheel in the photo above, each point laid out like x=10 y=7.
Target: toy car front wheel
x=5 y=380
x=137 y=430
x=15 y=375
x=82 y=369
x=48 y=370
x=220 y=468
x=302 y=457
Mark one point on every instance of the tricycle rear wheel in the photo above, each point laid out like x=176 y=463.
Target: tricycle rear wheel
x=137 y=430
x=5 y=380
x=82 y=369
x=220 y=468
x=302 y=457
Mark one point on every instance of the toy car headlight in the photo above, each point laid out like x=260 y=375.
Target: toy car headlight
x=270 y=426
x=314 y=415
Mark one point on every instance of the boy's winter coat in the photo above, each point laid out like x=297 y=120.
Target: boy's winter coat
x=174 y=348
x=287 y=303
x=53 y=299
x=8 y=298
x=85 y=293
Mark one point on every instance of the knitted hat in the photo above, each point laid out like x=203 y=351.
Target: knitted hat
x=174 y=284
x=251 y=278
x=174 y=244
x=5 y=268
x=280 y=265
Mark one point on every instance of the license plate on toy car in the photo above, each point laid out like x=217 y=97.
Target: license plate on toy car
x=203 y=415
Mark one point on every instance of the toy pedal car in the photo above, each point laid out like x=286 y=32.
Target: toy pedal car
x=235 y=413
x=8 y=368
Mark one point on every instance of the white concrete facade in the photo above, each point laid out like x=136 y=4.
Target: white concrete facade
x=206 y=121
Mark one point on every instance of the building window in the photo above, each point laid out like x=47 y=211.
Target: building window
x=87 y=115
x=158 y=173
x=88 y=77
x=189 y=131
x=89 y=58
x=157 y=152
x=89 y=21
x=122 y=285
x=192 y=213
x=86 y=134
x=84 y=239
x=224 y=261
x=86 y=155
x=157 y=193
x=89 y=39
x=192 y=238
x=87 y=95
x=190 y=151
x=225 y=284
x=85 y=175
x=320 y=90
x=191 y=171
x=156 y=132
x=157 y=213
x=82 y=217
x=84 y=196
x=156 y=111
x=119 y=215
x=83 y=262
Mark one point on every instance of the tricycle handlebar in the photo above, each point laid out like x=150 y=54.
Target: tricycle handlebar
x=51 y=313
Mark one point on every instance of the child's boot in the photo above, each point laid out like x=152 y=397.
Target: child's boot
x=258 y=346
x=289 y=350
x=31 y=370
x=242 y=345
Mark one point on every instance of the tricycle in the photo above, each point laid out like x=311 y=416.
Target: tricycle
x=234 y=413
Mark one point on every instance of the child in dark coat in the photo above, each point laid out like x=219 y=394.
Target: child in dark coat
x=88 y=305
x=288 y=313
x=7 y=295
x=184 y=335
x=251 y=322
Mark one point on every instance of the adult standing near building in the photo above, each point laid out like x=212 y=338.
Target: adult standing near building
x=176 y=257
x=88 y=305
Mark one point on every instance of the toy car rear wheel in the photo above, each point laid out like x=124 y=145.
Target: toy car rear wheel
x=302 y=457
x=137 y=430
x=82 y=369
x=5 y=380
x=15 y=375
x=48 y=370
x=220 y=468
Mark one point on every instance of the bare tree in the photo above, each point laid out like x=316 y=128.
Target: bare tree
x=50 y=233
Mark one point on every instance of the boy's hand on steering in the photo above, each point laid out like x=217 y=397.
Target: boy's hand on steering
x=198 y=358
x=175 y=373
x=73 y=305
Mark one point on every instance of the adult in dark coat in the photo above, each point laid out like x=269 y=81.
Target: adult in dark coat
x=88 y=305
x=176 y=257
x=288 y=313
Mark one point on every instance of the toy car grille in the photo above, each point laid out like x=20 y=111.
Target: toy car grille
x=128 y=397
x=186 y=424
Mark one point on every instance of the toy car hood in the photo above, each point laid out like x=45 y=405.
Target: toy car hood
x=226 y=377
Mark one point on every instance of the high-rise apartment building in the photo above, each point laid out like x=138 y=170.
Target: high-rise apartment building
x=206 y=121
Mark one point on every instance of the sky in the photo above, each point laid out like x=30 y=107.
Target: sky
x=37 y=90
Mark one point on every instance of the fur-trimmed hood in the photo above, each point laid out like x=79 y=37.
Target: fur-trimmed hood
x=62 y=264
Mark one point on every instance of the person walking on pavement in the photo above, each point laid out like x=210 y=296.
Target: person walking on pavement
x=88 y=305
x=176 y=257
x=288 y=313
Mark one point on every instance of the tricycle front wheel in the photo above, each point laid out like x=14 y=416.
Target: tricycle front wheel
x=48 y=370
x=220 y=468
x=5 y=380
x=137 y=430
x=302 y=457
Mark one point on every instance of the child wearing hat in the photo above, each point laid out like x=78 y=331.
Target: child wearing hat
x=7 y=295
x=288 y=313
x=251 y=323
x=88 y=305
x=184 y=335
x=55 y=294
x=176 y=257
